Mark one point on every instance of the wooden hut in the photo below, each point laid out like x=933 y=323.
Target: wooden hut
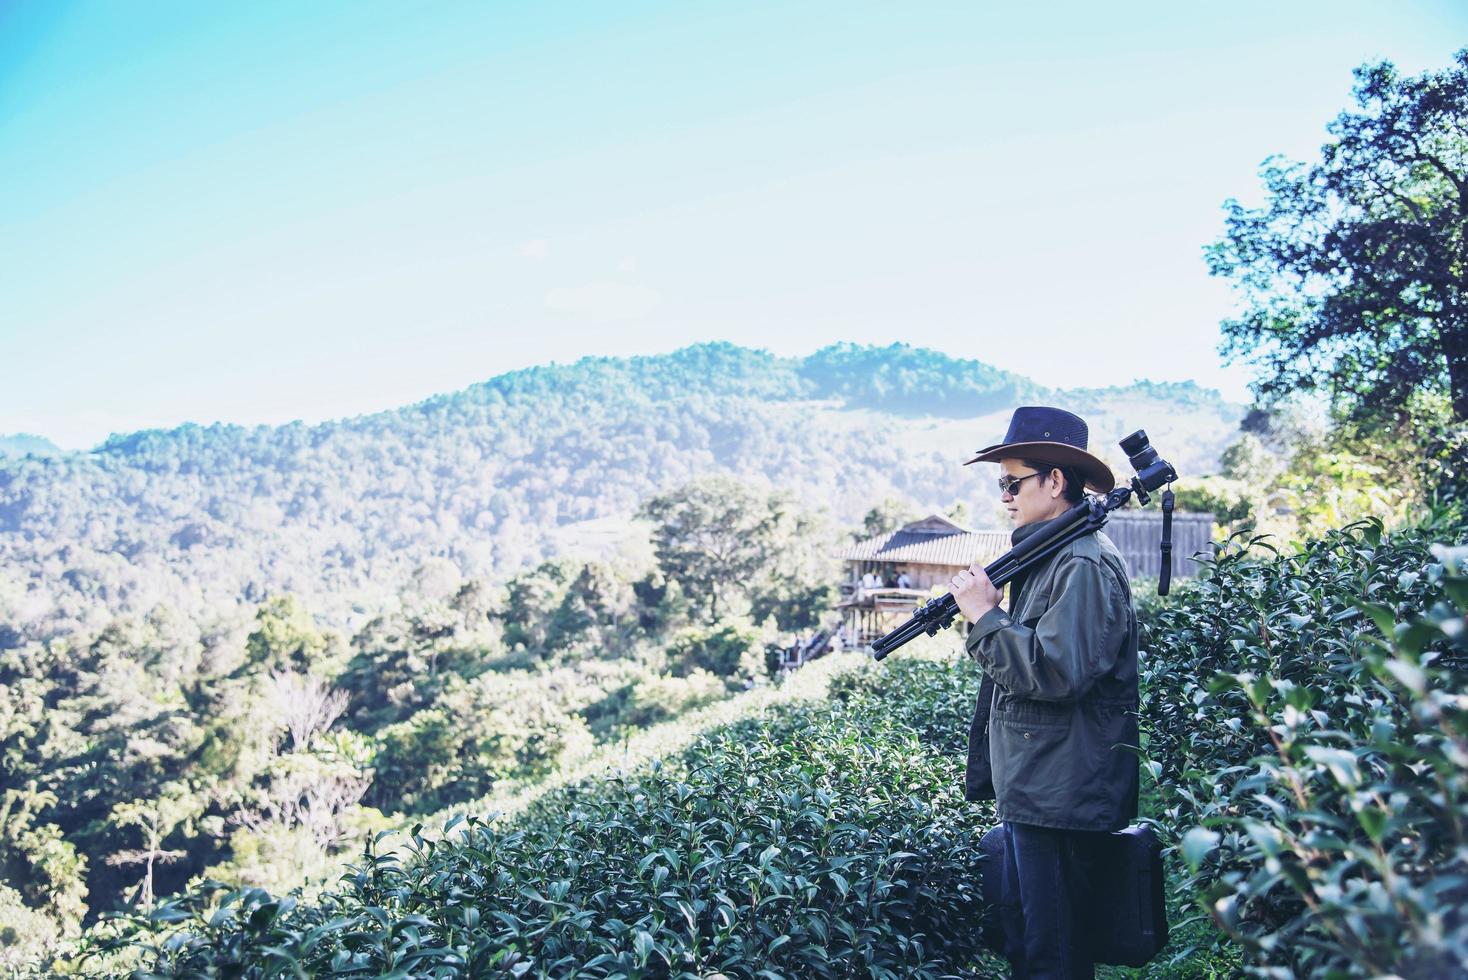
x=888 y=575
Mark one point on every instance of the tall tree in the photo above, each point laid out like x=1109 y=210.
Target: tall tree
x=712 y=537
x=156 y=818
x=1353 y=272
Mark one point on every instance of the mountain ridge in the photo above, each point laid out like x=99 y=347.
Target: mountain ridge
x=511 y=383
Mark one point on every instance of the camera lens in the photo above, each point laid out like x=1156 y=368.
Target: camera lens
x=1139 y=451
x=1152 y=472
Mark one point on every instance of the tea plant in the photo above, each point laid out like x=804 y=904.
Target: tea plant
x=1308 y=727
x=814 y=840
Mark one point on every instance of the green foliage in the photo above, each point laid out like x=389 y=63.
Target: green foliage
x=1247 y=458
x=731 y=547
x=1328 y=488
x=712 y=537
x=1229 y=501
x=533 y=599
x=498 y=726
x=155 y=750
x=155 y=819
x=797 y=585
x=491 y=480
x=565 y=610
x=733 y=651
x=913 y=381
x=26 y=935
x=286 y=639
x=1297 y=478
x=885 y=517
x=657 y=698
x=1305 y=720
x=46 y=870
x=1353 y=271
x=819 y=840
x=273 y=856
x=22 y=444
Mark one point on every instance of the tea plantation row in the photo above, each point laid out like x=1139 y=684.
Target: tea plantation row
x=818 y=839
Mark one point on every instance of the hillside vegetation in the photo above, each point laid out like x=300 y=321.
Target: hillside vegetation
x=157 y=751
x=498 y=477
x=815 y=837
x=23 y=444
x=1304 y=719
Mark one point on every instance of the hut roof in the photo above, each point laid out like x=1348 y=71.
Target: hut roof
x=934 y=540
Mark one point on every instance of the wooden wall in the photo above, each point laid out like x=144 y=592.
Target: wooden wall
x=1138 y=533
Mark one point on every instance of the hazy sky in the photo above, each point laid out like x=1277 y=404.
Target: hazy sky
x=258 y=212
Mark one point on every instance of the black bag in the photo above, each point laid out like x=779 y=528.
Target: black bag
x=1132 y=921
x=1130 y=907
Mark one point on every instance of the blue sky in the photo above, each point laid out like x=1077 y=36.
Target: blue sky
x=269 y=211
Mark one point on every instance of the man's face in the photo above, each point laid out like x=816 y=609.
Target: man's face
x=1034 y=499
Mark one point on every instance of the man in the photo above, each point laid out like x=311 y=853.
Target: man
x=1063 y=665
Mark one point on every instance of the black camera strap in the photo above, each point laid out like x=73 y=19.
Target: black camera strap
x=1164 y=576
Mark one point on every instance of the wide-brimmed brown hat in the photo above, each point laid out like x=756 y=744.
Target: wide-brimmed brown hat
x=1054 y=436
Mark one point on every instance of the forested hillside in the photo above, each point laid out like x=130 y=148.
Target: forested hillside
x=240 y=652
x=503 y=474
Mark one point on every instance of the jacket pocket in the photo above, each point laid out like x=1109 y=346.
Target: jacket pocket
x=1034 y=761
x=1017 y=712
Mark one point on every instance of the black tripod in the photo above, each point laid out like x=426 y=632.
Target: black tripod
x=1086 y=517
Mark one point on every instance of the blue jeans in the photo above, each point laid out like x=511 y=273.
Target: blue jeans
x=1048 y=903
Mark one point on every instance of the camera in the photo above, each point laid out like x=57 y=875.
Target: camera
x=1152 y=471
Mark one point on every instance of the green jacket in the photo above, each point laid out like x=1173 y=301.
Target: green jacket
x=1064 y=703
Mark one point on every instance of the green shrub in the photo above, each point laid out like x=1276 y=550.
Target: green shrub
x=1228 y=500
x=732 y=650
x=25 y=933
x=512 y=725
x=658 y=698
x=1307 y=722
x=814 y=840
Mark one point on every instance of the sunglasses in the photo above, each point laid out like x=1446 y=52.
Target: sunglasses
x=1010 y=484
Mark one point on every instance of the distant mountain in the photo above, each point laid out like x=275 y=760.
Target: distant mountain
x=505 y=473
x=22 y=444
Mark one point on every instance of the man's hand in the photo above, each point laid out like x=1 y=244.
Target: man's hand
x=974 y=593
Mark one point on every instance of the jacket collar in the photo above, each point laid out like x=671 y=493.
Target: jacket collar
x=1033 y=528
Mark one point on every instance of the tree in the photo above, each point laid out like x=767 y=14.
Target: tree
x=287 y=639
x=713 y=536
x=733 y=650
x=798 y=585
x=307 y=705
x=889 y=515
x=313 y=789
x=1353 y=272
x=532 y=599
x=156 y=818
x=46 y=871
x=596 y=616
